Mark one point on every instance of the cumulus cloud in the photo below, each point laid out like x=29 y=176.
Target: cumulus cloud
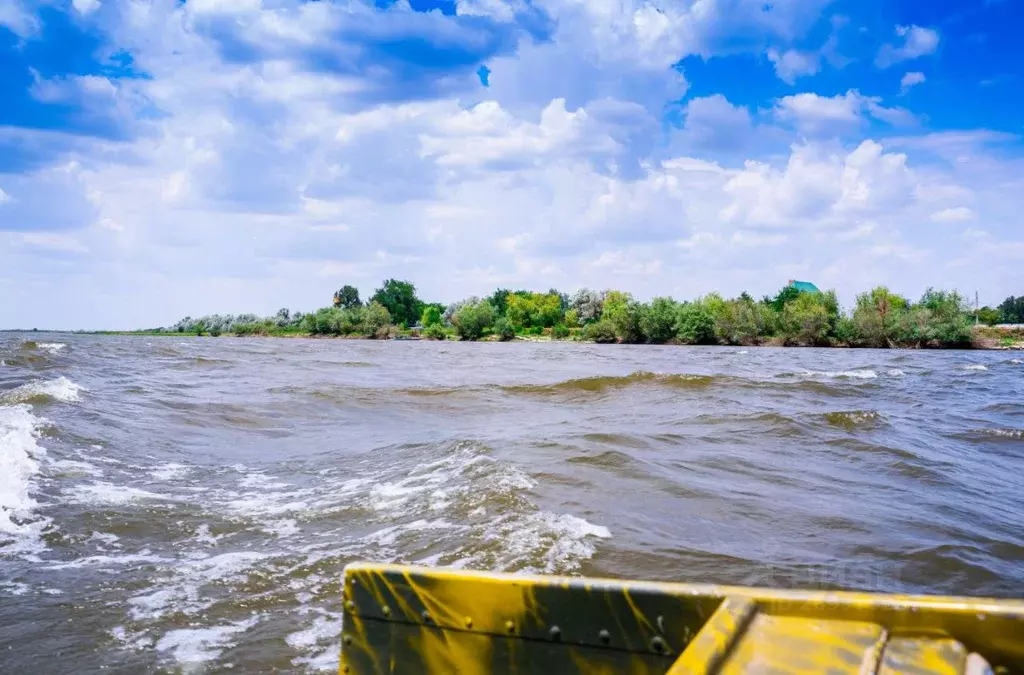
x=911 y=79
x=818 y=115
x=916 y=42
x=277 y=151
x=792 y=64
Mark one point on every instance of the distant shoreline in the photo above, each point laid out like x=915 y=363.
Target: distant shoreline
x=984 y=338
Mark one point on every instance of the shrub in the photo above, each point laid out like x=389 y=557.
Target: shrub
x=744 y=322
x=504 y=330
x=602 y=331
x=658 y=320
x=471 y=320
x=695 y=325
x=560 y=331
x=806 y=320
x=431 y=316
x=376 y=320
x=435 y=331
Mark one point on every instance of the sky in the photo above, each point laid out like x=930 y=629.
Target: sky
x=163 y=158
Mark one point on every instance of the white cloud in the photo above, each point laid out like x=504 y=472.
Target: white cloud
x=85 y=7
x=917 y=42
x=4 y=197
x=18 y=18
x=263 y=183
x=911 y=79
x=814 y=114
x=792 y=63
x=957 y=214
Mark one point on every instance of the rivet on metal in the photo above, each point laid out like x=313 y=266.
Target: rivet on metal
x=510 y=627
x=350 y=606
x=425 y=615
x=604 y=636
x=555 y=632
x=344 y=669
x=385 y=610
x=657 y=644
x=347 y=639
x=469 y=622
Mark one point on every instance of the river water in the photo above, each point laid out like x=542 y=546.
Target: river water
x=188 y=504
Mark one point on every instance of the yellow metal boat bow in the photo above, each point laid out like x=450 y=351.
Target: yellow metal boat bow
x=400 y=619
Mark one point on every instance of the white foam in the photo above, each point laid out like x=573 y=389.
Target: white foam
x=1017 y=362
x=895 y=372
x=193 y=646
x=321 y=656
x=52 y=347
x=20 y=527
x=169 y=471
x=109 y=561
x=14 y=588
x=862 y=374
x=282 y=528
x=61 y=389
x=1005 y=433
x=70 y=466
x=108 y=493
x=976 y=366
x=181 y=592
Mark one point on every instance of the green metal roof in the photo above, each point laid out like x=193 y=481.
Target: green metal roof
x=804 y=286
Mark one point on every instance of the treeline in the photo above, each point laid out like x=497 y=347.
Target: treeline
x=879 y=318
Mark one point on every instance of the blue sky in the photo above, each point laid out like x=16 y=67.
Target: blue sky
x=165 y=157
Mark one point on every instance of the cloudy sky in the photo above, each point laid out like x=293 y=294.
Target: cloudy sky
x=168 y=157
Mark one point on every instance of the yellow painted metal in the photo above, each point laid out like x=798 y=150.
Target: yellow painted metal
x=401 y=619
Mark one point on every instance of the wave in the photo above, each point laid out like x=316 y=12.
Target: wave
x=853 y=419
x=21 y=528
x=602 y=383
x=859 y=374
x=61 y=390
x=1016 y=362
x=51 y=347
x=976 y=366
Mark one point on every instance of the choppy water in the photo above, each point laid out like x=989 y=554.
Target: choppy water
x=187 y=505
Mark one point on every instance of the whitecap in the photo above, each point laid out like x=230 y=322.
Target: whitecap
x=108 y=493
x=169 y=471
x=52 y=347
x=193 y=646
x=20 y=527
x=895 y=372
x=1017 y=362
x=61 y=389
x=861 y=374
x=976 y=366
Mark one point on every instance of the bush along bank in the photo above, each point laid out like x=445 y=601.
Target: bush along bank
x=791 y=317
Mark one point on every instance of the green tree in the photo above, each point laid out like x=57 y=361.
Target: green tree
x=695 y=325
x=472 y=319
x=431 y=316
x=499 y=300
x=376 y=320
x=347 y=297
x=534 y=310
x=989 y=316
x=808 y=321
x=399 y=298
x=560 y=331
x=786 y=295
x=658 y=320
x=1011 y=310
x=504 y=330
x=877 y=316
x=602 y=331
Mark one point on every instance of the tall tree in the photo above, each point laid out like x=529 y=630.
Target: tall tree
x=399 y=297
x=347 y=297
